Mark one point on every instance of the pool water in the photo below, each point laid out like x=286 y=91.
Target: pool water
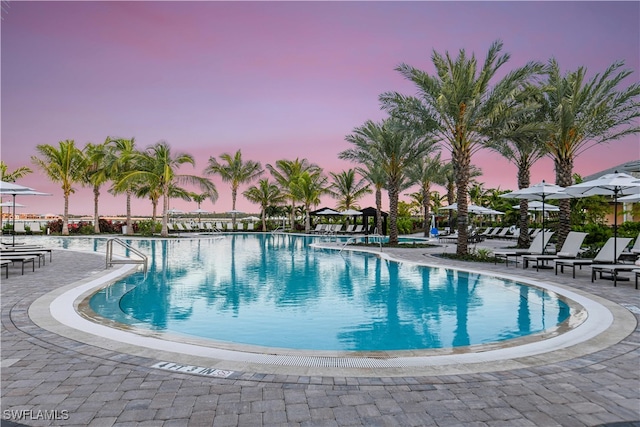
x=274 y=290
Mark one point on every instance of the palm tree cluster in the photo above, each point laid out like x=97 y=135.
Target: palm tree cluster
x=524 y=114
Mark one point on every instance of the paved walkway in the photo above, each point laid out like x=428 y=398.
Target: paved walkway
x=46 y=375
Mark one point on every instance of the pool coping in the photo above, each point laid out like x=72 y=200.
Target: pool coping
x=606 y=324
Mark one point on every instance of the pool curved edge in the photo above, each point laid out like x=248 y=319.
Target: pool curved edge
x=606 y=324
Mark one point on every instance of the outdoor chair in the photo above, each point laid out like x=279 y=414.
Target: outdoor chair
x=5 y=263
x=18 y=228
x=319 y=228
x=23 y=259
x=536 y=247
x=605 y=255
x=358 y=229
x=495 y=232
x=249 y=226
x=229 y=226
x=569 y=250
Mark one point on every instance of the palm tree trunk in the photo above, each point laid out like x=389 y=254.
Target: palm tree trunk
x=462 y=158
x=154 y=210
x=564 y=168
x=234 y=193
x=307 y=220
x=164 y=232
x=129 y=224
x=65 y=219
x=378 y=210
x=425 y=206
x=96 y=216
x=393 y=214
x=524 y=180
x=264 y=218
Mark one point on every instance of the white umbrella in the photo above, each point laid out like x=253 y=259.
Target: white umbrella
x=174 y=211
x=14 y=190
x=633 y=198
x=612 y=184
x=538 y=192
x=10 y=204
x=251 y=218
x=474 y=209
x=327 y=211
x=539 y=206
x=199 y=211
x=350 y=212
x=234 y=211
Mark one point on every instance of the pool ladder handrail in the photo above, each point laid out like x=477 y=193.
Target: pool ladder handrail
x=111 y=261
x=354 y=238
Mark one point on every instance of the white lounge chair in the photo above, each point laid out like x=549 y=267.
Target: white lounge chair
x=358 y=229
x=229 y=226
x=536 y=247
x=569 y=250
x=249 y=226
x=605 y=255
x=319 y=228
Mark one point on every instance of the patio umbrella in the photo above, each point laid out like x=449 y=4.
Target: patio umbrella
x=174 y=211
x=538 y=192
x=538 y=206
x=474 y=209
x=14 y=189
x=633 y=198
x=199 y=211
x=350 y=212
x=612 y=184
x=327 y=211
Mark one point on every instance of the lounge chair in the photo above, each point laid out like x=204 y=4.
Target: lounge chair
x=249 y=226
x=535 y=232
x=5 y=263
x=23 y=259
x=605 y=255
x=536 y=247
x=502 y=234
x=486 y=231
x=319 y=228
x=612 y=270
x=495 y=232
x=35 y=228
x=349 y=229
x=569 y=250
x=219 y=226
x=358 y=229
x=337 y=228
x=229 y=226
x=21 y=249
x=42 y=255
x=18 y=228
x=637 y=273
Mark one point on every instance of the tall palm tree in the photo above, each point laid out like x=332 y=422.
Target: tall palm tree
x=460 y=103
x=265 y=194
x=307 y=188
x=98 y=158
x=11 y=177
x=235 y=171
x=125 y=154
x=520 y=140
x=394 y=147
x=65 y=165
x=426 y=171
x=348 y=189
x=158 y=165
x=582 y=114
x=285 y=172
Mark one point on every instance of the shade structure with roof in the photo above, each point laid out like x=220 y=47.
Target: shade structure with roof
x=537 y=192
x=325 y=212
x=13 y=189
x=616 y=185
x=370 y=212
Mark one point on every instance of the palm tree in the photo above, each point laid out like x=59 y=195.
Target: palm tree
x=98 y=158
x=285 y=172
x=158 y=165
x=307 y=189
x=265 y=194
x=11 y=177
x=520 y=140
x=460 y=103
x=65 y=165
x=426 y=171
x=582 y=114
x=394 y=147
x=347 y=189
x=125 y=154
x=235 y=171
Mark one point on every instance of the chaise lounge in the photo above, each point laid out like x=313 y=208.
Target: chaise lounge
x=536 y=247
x=605 y=255
x=569 y=250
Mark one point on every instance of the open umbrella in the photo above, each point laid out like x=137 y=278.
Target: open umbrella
x=350 y=212
x=612 y=184
x=14 y=189
x=327 y=211
x=538 y=192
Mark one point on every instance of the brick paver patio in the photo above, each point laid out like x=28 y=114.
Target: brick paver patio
x=49 y=379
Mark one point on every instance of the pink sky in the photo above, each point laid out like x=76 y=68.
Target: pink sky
x=274 y=79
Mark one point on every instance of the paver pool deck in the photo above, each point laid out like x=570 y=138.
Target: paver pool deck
x=58 y=375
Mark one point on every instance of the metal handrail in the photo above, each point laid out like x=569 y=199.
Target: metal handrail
x=110 y=261
x=360 y=237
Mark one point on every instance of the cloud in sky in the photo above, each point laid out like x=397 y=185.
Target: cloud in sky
x=274 y=79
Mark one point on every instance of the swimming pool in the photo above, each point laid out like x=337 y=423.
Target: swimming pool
x=277 y=291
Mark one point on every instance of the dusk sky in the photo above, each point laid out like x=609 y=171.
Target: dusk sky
x=278 y=80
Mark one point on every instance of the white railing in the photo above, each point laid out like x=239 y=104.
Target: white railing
x=111 y=261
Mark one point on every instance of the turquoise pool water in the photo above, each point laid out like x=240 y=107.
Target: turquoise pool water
x=277 y=291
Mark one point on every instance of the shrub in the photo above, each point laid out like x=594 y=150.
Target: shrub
x=148 y=227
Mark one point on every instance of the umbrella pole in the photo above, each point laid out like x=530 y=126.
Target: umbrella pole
x=13 y=232
x=615 y=225
x=543 y=245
